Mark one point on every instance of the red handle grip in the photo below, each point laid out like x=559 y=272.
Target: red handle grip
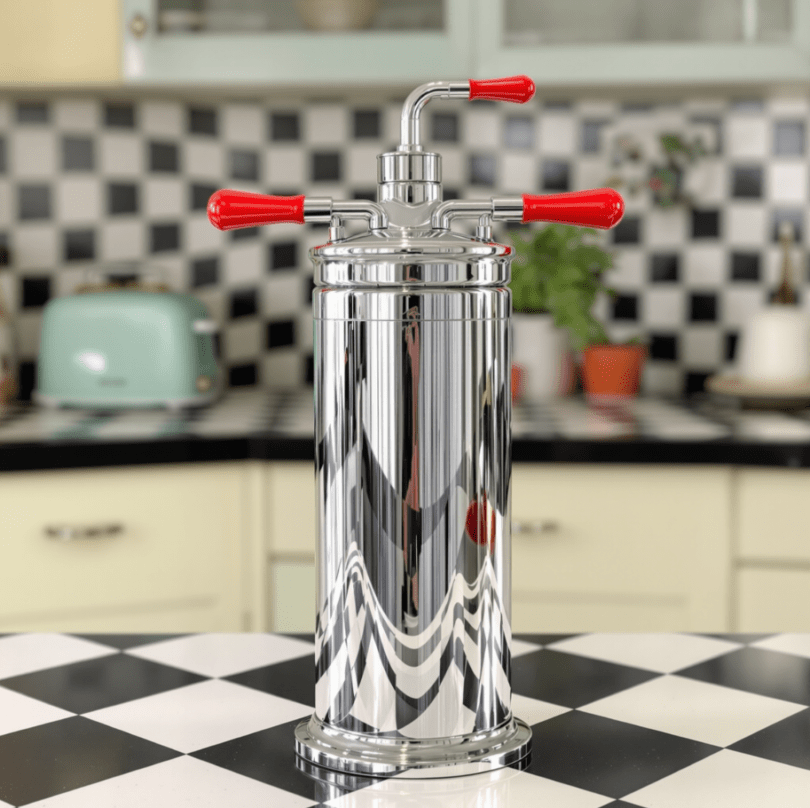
x=517 y=89
x=601 y=208
x=230 y=210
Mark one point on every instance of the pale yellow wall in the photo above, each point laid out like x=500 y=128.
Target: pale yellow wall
x=59 y=41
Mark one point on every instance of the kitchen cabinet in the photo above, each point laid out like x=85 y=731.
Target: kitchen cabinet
x=291 y=534
x=229 y=546
x=560 y=44
x=607 y=548
x=190 y=547
x=557 y=42
x=773 y=523
x=292 y=595
x=291 y=502
x=620 y=548
x=594 y=547
x=157 y=51
x=773 y=599
x=150 y=548
x=58 y=42
x=605 y=42
x=772 y=562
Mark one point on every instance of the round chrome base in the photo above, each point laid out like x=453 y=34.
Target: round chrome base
x=380 y=756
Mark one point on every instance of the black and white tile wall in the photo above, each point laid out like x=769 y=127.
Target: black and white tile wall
x=86 y=182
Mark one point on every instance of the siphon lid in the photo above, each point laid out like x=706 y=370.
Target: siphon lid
x=391 y=258
x=409 y=240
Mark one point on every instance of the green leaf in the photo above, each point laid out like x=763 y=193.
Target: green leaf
x=558 y=269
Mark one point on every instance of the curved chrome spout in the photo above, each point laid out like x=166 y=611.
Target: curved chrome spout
x=411 y=110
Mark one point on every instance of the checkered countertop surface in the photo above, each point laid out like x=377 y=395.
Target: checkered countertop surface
x=289 y=413
x=206 y=720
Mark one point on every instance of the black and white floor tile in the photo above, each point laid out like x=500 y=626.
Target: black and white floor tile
x=646 y=720
x=89 y=182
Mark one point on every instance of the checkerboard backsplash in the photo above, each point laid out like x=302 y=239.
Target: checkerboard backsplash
x=89 y=183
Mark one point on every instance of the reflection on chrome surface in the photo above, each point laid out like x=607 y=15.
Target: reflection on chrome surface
x=491 y=789
x=412 y=415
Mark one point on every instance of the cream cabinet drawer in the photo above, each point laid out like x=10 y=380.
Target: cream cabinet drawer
x=622 y=535
x=292 y=527
x=773 y=513
x=177 y=543
x=292 y=596
x=594 y=612
x=291 y=540
x=200 y=615
x=773 y=600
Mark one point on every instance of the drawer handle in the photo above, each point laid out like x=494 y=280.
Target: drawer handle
x=76 y=532
x=536 y=527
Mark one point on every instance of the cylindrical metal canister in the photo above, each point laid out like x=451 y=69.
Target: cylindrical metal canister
x=413 y=461
x=412 y=432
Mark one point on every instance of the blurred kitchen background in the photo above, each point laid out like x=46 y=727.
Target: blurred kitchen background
x=118 y=120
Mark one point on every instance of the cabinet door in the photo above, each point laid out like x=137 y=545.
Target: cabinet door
x=643 y=41
x=773 y=550
x=291 y=538
x=54 y=41
x=293 y=57
x=772 y=507
x=291 y=503
x=81 y=545
x=620 y=548
x=773 y=600
x=292 y=595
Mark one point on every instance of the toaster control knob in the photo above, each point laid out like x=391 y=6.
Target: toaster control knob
x=203 y=383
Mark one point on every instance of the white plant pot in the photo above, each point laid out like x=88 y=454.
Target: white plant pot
x=775 y=346
x=542 y=351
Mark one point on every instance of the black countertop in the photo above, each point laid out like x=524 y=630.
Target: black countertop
x=649 y=720
x=277 y=425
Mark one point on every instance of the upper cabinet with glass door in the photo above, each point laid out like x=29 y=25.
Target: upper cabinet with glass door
x=579 y=42
x=296 y=42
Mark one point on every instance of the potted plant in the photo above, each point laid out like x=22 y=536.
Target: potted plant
x=557 y=277
x=540 y=346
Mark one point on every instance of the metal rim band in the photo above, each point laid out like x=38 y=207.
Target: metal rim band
x=410 y=305
x=409 y=167
x=372 y=756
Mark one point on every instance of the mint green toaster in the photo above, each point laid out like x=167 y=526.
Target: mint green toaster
x=127 y=348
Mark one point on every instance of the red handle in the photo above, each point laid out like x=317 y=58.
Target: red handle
x=601 y=208
x=230 y=210
x=517 y=89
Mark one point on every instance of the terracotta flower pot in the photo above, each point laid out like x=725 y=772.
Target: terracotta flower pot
x=612 y=371
x=518 y=381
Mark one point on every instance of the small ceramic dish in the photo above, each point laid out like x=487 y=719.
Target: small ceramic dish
x=768 y=395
